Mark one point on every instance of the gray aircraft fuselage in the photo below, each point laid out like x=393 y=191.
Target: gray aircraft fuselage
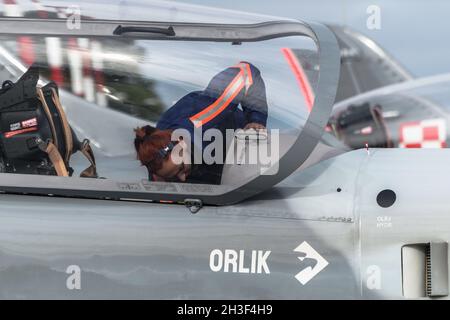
x=246 y=251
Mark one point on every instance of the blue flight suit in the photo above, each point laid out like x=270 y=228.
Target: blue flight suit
x=252 y=101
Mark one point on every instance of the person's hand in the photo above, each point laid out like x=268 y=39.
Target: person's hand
x=254 y=125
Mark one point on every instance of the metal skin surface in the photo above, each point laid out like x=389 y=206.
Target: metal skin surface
x=142 y=250
x=420 y=178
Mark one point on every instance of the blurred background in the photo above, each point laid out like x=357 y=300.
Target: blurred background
x=413 y=31
x=381 y=101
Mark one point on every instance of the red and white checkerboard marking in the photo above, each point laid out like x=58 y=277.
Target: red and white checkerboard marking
x=423 y=134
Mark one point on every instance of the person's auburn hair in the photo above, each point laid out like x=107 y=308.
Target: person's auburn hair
x=148 y=142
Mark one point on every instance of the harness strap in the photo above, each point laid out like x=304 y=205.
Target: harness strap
x=55 y=158
x=48 y=114
x=91 y=171
x=51 y=149
x=65 y=124
x=242 y=80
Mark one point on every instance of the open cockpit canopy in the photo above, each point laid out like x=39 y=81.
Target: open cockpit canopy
x=115 y=75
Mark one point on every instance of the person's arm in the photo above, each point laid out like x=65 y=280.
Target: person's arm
x=254 y=102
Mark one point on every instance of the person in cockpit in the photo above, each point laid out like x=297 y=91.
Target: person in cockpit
x=215 y=107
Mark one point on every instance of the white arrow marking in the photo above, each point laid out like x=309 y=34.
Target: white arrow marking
x=309 y=272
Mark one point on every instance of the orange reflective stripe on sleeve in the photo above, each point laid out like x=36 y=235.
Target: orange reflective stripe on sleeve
x=245 y=67
x=242 y=80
